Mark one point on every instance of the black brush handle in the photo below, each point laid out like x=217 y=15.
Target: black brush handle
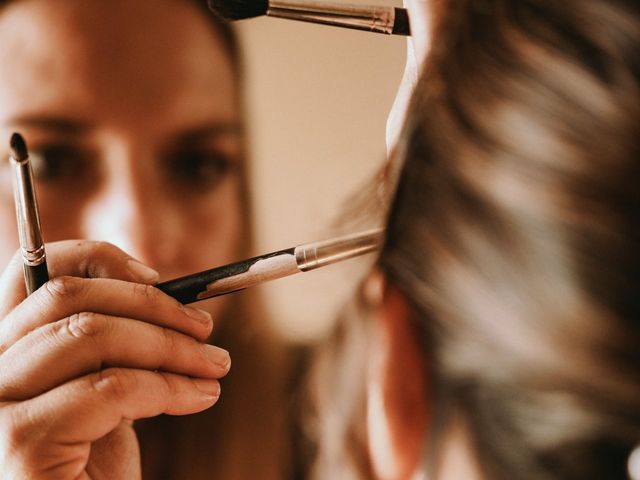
x=35 y=276
x=189 y=288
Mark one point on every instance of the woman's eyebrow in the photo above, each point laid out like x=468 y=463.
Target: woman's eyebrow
x=54 y=124
x=209 y=131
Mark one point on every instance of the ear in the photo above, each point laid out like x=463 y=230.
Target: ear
x=397 y=400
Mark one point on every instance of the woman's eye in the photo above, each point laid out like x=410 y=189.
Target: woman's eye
x=200 y=169
x=58 y=164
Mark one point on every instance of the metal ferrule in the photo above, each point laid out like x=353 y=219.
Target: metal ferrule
x=358 y=17
x=319 y=254
x=31 y=242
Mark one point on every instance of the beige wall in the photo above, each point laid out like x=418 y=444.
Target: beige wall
x=318 y=98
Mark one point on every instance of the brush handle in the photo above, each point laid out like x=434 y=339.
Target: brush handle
x=231 y=278
x=35 y=276
x=386 y=20
x=29 y=232
x=271 y=266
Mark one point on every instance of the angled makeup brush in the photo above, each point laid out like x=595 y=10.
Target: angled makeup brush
x=388 y=20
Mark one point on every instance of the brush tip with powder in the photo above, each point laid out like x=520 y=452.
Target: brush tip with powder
x=18 y=147
x=239 y=9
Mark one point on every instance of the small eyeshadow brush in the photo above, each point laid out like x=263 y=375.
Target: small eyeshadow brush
x=31 y=243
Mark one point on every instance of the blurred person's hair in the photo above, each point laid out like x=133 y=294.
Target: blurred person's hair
x=514 y=235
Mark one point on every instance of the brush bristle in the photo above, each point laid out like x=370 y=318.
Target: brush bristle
x=18 y=147
x=239 y=9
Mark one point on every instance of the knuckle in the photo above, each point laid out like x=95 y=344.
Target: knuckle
x=99 y=253
x=102 y=246
x=63 y=288
x=113 y=383
x=83 y=325
x=106 y=247
x=170 y=388
x=99 y=247
x=149 y=293
x=79 y=326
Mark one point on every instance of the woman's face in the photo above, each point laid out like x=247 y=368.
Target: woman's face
x=130 y=112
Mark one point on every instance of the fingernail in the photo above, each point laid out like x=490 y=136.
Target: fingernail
x=200 y=316
x=218 y=356
x=211 y=388
x=143 y=273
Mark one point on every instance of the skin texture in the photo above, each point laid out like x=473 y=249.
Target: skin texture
x=134 y=140
x=121 y=351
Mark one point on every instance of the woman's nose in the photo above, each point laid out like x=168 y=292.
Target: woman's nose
x=134 y=215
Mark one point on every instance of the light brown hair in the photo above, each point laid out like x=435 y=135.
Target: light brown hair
x=515 y=237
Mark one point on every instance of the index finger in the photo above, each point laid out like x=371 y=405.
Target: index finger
x=75 y=258
x=65 y=296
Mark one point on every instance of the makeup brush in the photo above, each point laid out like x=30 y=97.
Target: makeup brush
x=388 y=20
x=31 y=244
x=271 y=266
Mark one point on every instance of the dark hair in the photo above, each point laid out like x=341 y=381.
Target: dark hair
x=515 y=231
x=514 y=235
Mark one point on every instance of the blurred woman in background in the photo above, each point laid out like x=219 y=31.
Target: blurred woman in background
x=500 y=336
x=133 y=115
